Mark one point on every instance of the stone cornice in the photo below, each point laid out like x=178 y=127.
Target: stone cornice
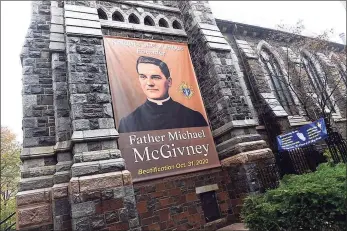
x=147 y=5
x=92 y=135
x=234 y=124
x=35 y=152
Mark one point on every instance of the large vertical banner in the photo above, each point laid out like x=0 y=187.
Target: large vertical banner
x=158 y=109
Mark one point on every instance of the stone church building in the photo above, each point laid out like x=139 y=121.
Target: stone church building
x=73 y=175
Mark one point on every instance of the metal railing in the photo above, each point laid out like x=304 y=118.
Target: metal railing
x=337 y=147
x=301 y=160
x=6 y=224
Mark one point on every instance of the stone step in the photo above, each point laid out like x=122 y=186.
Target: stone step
x=97 y=155
x=62 y=177
x=97 y=167
x=38 y=171
x=35 y=183
x=63 y=166
x=234 y=227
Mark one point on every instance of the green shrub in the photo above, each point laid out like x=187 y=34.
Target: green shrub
x=313 y=201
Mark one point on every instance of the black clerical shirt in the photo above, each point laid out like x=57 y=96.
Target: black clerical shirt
x=151 y=116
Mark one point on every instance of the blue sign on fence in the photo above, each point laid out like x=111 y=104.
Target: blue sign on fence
x=305 y=135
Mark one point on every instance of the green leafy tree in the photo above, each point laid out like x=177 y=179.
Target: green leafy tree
x=10 y=171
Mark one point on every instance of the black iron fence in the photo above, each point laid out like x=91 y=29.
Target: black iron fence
x=300 y=161
x=337 y=147
x=269 y=177
x=7 y=223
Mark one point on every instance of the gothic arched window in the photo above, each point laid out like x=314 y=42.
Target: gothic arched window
x=163 y=23
x=176 y=25
x=116 y=16
x=318 y=83
x=149 y=21
x=102 y=14
x=342 y=72
x=134 y=19
x=278 y=82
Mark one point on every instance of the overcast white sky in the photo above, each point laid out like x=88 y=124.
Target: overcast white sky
x=316 y=15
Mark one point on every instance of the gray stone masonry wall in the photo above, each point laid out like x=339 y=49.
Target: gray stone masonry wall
x=38 y=113
x=250 y=40
x=60 y=201
x=221 y=84
x=34 y=210
x=330 y=66
x=334 y=81
x=269 y=109
x=302 y=78
x=73 y=175
x=100 y=190
x=88 y=86
x=156 y=12
x=126 y=8
x=60 y=93
x=226 y=98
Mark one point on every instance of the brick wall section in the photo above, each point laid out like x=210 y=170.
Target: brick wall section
x=172 y=203
x=38 y=113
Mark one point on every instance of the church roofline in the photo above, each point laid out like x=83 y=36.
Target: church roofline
x=263 y=32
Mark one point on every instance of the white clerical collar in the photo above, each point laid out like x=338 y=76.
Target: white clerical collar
x=159 y=102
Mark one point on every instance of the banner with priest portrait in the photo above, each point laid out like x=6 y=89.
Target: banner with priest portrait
x=158 y=108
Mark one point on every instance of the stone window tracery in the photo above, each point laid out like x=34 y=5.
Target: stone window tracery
x=319 y=85
x=278 y=82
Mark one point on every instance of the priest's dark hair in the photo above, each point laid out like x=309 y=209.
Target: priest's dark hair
x=162 y=65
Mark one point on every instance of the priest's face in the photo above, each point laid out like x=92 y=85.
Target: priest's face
x=153 y=82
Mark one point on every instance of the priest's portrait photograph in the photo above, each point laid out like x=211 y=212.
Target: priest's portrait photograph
x=159 y=111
